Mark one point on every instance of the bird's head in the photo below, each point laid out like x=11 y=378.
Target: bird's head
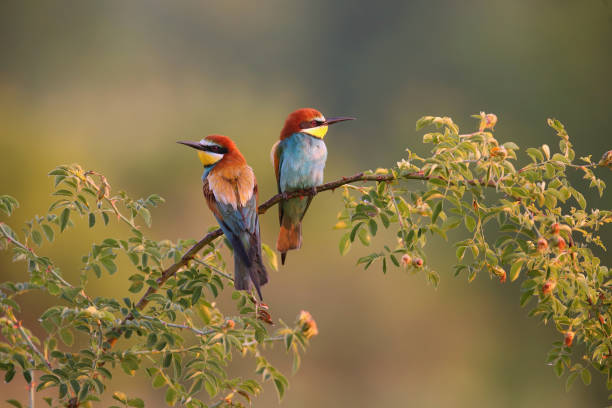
x=309 y=121
x=212 y=148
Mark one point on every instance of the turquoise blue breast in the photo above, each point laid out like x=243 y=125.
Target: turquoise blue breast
x=302 y=161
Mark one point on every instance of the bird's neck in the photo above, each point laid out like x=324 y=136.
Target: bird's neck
x=207 y=170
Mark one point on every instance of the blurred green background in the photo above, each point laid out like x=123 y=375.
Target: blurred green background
x=112 y=85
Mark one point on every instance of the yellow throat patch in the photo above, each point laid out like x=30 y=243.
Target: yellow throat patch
x=319 y=131
x=208 y=158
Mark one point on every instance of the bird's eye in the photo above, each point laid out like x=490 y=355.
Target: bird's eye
x=314 y=123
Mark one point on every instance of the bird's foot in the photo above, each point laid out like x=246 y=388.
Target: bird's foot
x=313 y=191
x=285 y=195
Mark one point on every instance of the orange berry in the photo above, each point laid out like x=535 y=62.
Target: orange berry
x=561 y=243
x=548 y=287
x=602 y=320
x=569 y=338
x=230 y=324
x=542 y=245
x=555 y=228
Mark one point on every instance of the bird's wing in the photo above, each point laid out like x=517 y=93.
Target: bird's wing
x=240 y=223
x=277 y=156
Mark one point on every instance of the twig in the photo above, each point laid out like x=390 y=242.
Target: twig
x=26 y=337
x=25 y=248
x=178 y=326
x=212 y=268
x=32 y=388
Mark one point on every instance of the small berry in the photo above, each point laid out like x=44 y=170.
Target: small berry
x=548 y=287
x=406 y=260
x=542 y=245
x=555 y=228
x=230 y=324
x=417 y=262
x=560 y=243
x=569 y=338
x=602 y=320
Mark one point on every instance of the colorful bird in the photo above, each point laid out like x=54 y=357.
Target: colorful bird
x=230 y=190
x=299 y=159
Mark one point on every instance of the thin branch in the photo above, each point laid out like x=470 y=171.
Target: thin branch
x=26 y=337
x=178 y=326
x=30 y=250
x=212 y=268
x=265 y=206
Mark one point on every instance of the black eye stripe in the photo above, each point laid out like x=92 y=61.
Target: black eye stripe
x=311 y=124
x=215 y=149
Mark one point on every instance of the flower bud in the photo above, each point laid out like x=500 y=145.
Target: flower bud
x=417 y=262
x=606 y=160
x=308 y=324
x=500 y=273
x=569 y=338
x=498 y=152
x=230 y=324
x=487 y=121
x=555 y=228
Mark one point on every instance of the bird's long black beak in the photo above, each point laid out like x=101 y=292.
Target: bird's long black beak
x=195 y=145
x=338 y=119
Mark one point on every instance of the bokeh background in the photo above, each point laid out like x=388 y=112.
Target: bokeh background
x=112 y=85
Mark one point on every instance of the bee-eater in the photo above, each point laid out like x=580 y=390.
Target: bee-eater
x=230 y=190
x=299 y=159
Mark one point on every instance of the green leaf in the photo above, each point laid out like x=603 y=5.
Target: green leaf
x=345 y=244
x=120 y=396
x=48 y=232
x=436 y=212
x=92 y=219
x=515 y=270
x=36 y=237
x=364 y=237
x=64 y=218
x=210 y=388
x=109 y=264
x=570 y=381
x=535 y=154
x=105 y=218
x=579 y=198
x=66 y=336
x=270 y=256
x=146 y=216
x=159 y=381
x=280 y=388
x=15 y=403
x=171 y=396
x=585 y=375
x=136 y=402
x=288 y=341
x=470 y=223
x=373 y=227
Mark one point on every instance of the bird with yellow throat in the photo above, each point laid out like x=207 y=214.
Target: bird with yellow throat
x=299 y=160
x=230 y=190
